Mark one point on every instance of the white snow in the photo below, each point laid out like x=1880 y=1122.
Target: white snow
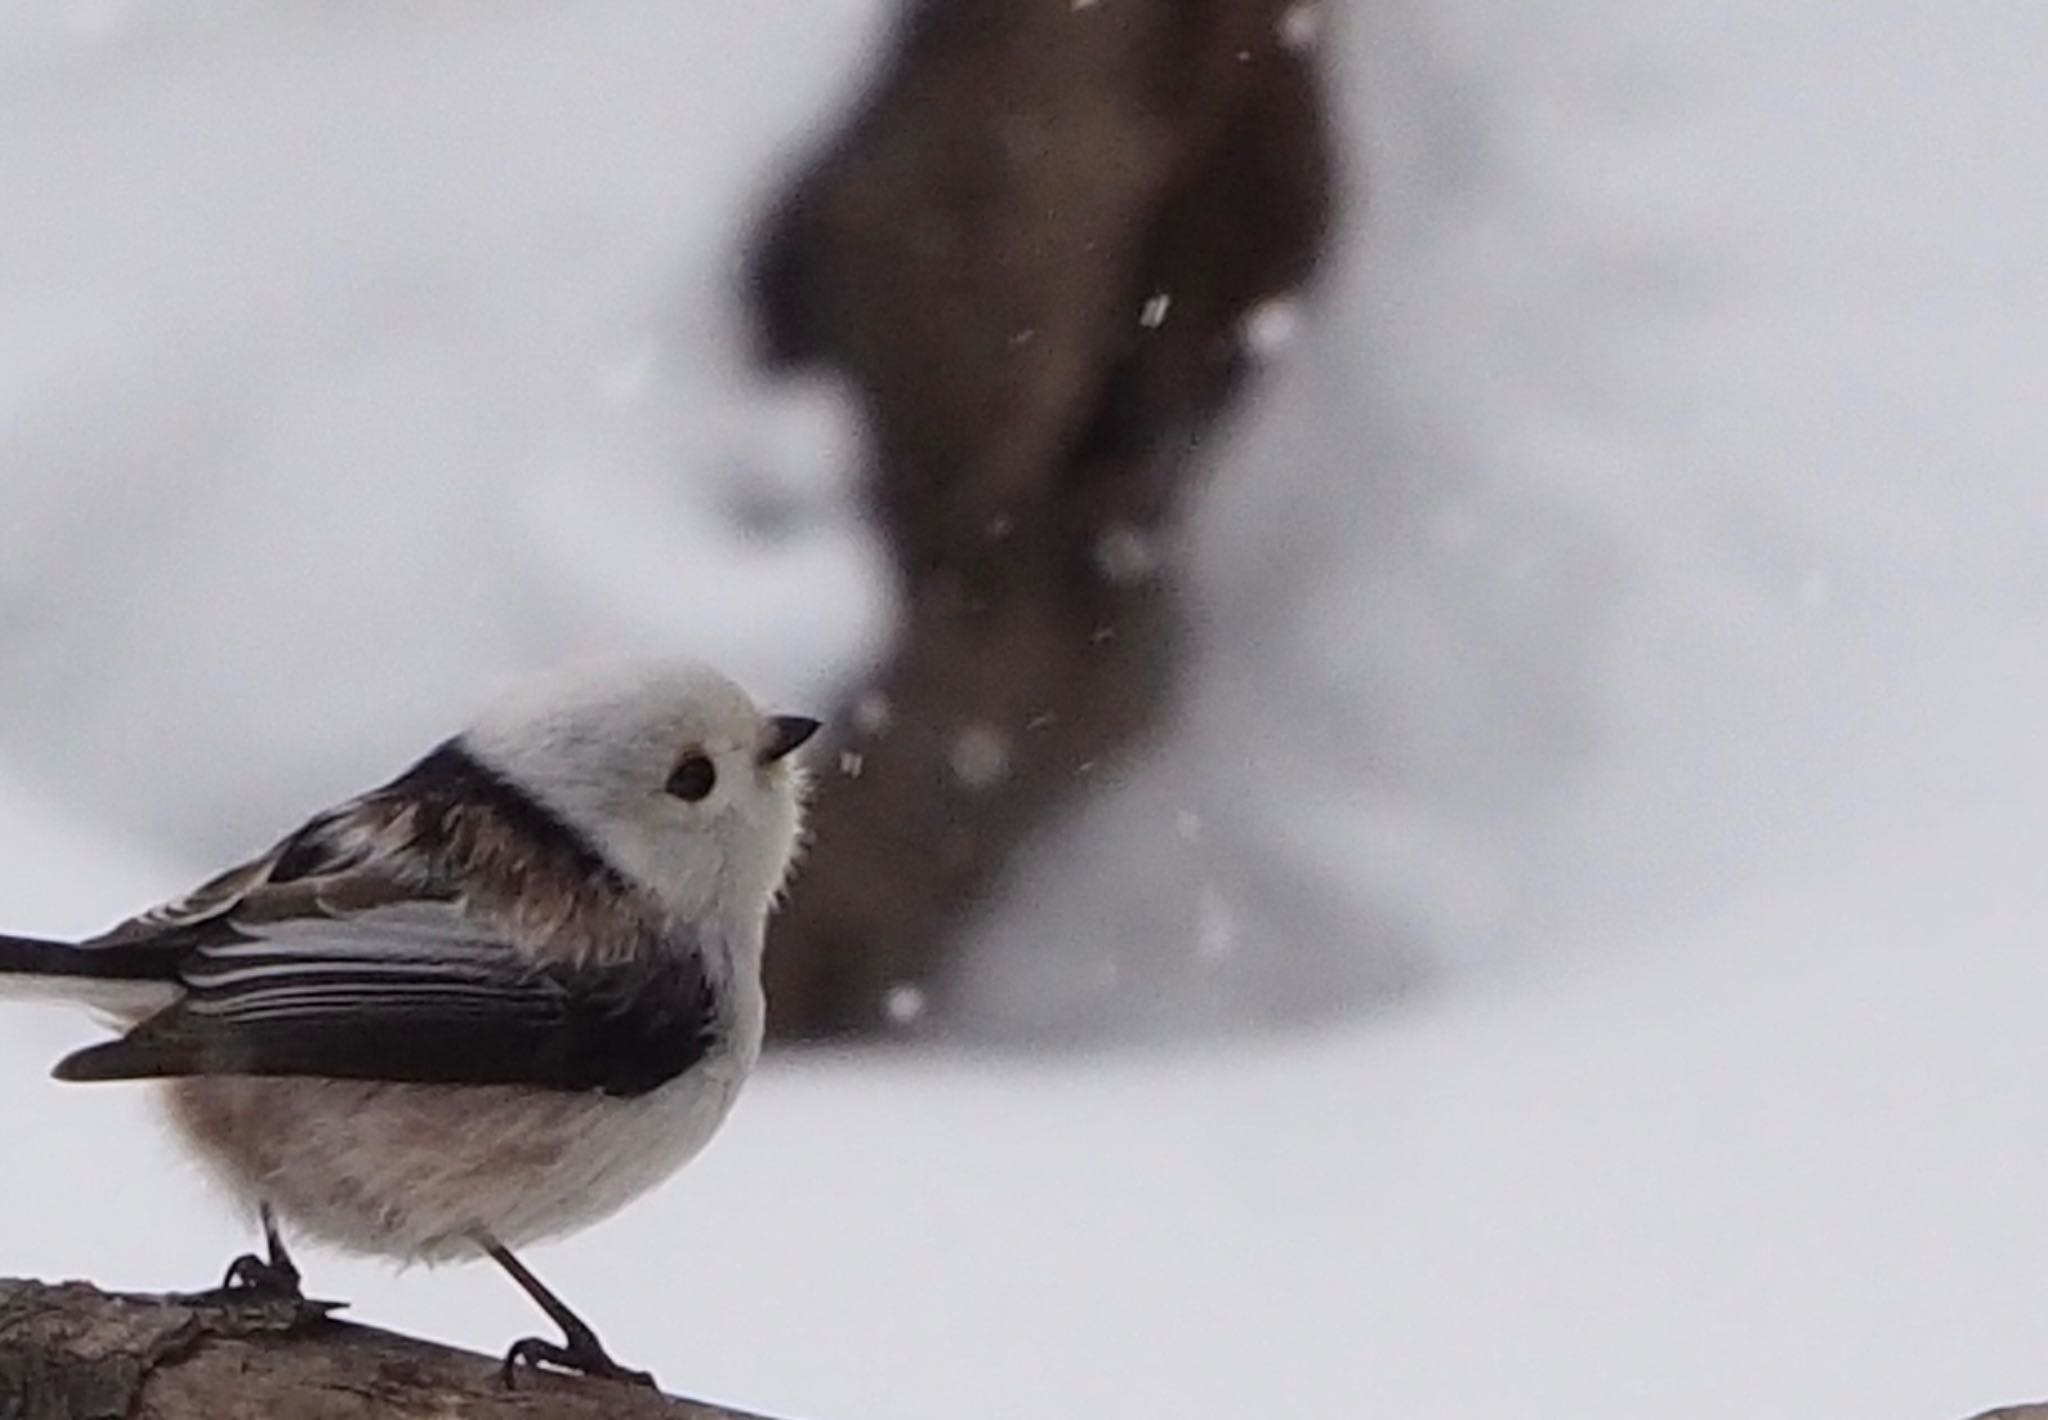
x=1624 y=630
x=357 y=357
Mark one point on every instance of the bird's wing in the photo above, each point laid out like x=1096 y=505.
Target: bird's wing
x=344 y=976
x=328 y=845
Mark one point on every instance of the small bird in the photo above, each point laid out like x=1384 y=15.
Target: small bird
x=488 y=1003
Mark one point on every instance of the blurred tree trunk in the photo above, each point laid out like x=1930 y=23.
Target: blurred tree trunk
x=72 y=1352
x=1033 y=251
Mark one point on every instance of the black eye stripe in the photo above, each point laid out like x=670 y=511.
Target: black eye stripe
x=694 y=778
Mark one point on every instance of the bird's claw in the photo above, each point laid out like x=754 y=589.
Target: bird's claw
x=582 y=1355
x=263 y=1277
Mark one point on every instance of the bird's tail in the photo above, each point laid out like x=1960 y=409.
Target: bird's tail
x=33 y=968
x=32 y=956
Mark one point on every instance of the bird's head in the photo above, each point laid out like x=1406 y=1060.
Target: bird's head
x=673 y=775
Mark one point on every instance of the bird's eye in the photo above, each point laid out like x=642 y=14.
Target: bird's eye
x=693 y=778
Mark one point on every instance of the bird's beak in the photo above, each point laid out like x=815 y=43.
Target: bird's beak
x=784 y=734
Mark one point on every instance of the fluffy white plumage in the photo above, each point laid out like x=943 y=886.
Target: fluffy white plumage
x=587 y=744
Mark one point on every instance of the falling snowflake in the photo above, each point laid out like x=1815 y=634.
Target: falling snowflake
x=1125 y=554
x=1270 y=326
x=1153 y=314
x=904 y=1003
x=871 y=713
x=1300 y=26
x=980 y=756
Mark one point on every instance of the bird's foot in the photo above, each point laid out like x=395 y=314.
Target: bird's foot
x=582 y=1354
x=271 y=1277
x=254 y=1282
x=268 y=1281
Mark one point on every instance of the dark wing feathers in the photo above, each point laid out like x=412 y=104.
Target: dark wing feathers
x=324 y=959
x=617 y=1030
x=33 y=956
x=203 y=904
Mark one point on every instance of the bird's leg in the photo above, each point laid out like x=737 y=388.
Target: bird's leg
x=274 y=1275
x=581 y=1350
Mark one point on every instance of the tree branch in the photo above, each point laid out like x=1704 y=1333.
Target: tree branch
x=1033 y=251
x=73 y=1352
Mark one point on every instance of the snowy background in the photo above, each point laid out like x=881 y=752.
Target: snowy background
x=1629 y=596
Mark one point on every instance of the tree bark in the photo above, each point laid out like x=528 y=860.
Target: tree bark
x=1033 y=252
x=73 y=1352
